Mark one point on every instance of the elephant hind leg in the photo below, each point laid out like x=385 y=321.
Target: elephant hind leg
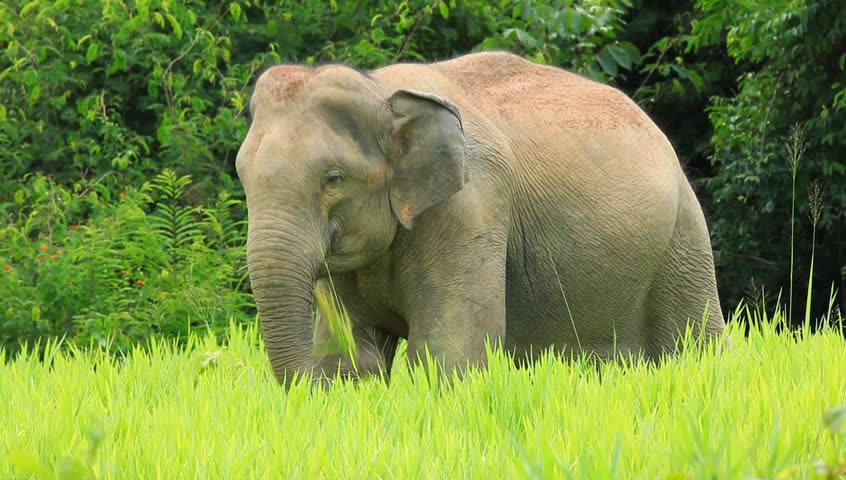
x=683 y=287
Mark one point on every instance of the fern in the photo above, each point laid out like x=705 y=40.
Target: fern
x=142 y=263
x=173 y=224
x=225 y=232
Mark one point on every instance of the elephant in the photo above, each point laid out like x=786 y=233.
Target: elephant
x=480 y=200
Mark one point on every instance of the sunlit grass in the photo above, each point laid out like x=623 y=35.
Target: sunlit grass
x=213 y=412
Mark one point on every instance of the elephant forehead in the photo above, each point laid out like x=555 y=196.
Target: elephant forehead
x=280 y=144
x=272 y=142
x=281 y=83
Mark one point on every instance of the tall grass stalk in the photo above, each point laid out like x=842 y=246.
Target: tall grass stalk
x=337 y=319
x=815 y=200
x=794 y=150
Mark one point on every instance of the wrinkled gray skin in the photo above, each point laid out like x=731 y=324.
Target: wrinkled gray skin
x=484 y=197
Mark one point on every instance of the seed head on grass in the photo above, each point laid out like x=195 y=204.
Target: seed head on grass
x=815 y=200
x=795 y=148
x=754 y=295
x=793 y=151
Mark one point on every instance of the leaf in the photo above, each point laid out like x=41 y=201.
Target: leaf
x=235 y=10
x=444 y=8
x=174 y=24
x=28 y=7
x=621 y=56
x=34 y=94
x=526 y=12
x=517 y=11
x=163 y=133
x=632 y=50
x=119 y=61
x=93 y=50
x=523 y=37
x=607 y=62
x=575 y=23
x=82 y=40
x=377 y=35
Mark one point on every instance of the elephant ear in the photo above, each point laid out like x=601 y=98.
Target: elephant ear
x=428 y=153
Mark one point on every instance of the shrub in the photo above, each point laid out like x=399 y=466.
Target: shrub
x=144 y=263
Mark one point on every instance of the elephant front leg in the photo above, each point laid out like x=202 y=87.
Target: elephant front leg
x=455 y=307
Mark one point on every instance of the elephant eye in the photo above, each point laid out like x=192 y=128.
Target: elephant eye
x=332 y=177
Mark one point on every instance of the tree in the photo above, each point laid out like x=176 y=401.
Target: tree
x=791 y=60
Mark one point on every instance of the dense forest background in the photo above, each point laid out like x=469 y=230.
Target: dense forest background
x=120 y=121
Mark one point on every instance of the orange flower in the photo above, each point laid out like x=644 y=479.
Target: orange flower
x=52 y=257
x=71 y=280
x=125 y=272
x=8 y=267
x=59 y=251
x=139 y=282
x=43 y=248
x=121 y=195
x=74 y=227
x=39 y=259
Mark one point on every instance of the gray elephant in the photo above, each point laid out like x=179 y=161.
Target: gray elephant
x=480 y=198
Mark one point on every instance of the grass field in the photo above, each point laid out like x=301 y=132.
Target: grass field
x=211 y=412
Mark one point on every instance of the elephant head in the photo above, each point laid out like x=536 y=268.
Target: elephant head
x=334 y=165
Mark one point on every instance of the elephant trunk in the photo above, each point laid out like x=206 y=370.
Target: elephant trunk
x=283 y=267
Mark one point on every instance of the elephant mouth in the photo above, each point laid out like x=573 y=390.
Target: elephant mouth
x=338 y=260
x=334 y=258
x=334 y=264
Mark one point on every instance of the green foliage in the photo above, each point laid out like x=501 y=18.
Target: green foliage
x=135 y=264
x=579 y=35
x=674 y=85
x=582 y=36
x=91 y=87
x=792 y=72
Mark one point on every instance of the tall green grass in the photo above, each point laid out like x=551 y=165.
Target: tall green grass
x=209 y=411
